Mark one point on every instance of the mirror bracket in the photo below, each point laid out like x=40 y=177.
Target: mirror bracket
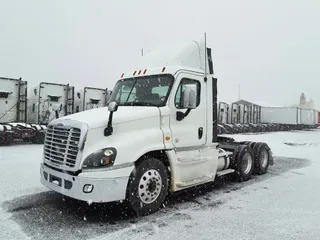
x=112 y=107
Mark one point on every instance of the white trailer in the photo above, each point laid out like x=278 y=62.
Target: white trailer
x=256 y=114
x=234 y=113
x=13 y=100
x=153 y=141
x=48 y=101
x=223 y=112
x=244 y=113
x=309 y=116
x=316 y=117
x=280 y=115
x=89 y=98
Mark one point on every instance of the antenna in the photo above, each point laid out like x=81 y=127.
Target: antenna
x=142 y=52
x=239 y=92
x=205 y=55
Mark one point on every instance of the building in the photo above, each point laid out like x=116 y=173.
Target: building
x=304 y=103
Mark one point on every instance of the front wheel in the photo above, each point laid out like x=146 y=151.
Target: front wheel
x=148 y=187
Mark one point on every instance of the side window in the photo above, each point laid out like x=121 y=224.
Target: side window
x=33 y=107
x=178 y=102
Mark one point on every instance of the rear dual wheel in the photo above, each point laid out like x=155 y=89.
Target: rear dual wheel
x=262 y=158
x=244 y=164
x=253 y=157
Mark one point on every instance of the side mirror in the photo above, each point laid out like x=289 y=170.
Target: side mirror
x=190 y=96
x=113 y=107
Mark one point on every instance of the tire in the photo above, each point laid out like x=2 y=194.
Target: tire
x=6 y=142
x=250 y=144
x=262 y=158
x=148 y=187
x=244 y=164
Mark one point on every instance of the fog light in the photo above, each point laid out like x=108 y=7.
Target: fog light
x=87 y=188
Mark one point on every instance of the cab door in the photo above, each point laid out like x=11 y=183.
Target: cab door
x=188 y=127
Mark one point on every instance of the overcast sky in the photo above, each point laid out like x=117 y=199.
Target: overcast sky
x=271 y=48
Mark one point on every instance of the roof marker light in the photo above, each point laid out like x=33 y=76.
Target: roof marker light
x=163 y=69
x=139 y=72
x=144 y=72
x=122 y=75
x=135 y=72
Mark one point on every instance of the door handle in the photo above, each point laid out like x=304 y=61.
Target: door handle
x=200 y=132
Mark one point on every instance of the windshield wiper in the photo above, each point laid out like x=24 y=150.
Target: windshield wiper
x=138 y=104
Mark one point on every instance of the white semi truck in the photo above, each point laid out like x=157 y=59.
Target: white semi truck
x=157 y=136
x=90 y=97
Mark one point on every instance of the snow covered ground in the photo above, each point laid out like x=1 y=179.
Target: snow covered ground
x=283 y=204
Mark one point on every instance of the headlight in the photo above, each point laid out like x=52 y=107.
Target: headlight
x=100 y=159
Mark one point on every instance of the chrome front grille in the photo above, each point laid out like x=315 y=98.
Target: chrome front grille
x=61 y=145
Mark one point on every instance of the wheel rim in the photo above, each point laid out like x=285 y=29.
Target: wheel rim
x=247 y=163
x=150 y=186
x=264 y=158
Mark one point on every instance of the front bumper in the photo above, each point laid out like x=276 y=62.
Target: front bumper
x=110 y=188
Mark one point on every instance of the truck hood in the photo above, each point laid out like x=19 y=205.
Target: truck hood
x=98 y=117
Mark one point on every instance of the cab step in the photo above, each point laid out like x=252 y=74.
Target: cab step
x=225 y=172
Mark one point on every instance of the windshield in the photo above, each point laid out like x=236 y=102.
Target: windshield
x=143 y=91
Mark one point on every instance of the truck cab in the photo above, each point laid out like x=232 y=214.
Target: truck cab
x=157 y=135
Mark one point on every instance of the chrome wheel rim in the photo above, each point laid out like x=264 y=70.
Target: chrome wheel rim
x=150 y=186
x=247 y=163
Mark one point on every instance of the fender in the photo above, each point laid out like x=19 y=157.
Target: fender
x=131 y=139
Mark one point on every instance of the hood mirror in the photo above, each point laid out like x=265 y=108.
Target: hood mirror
x=113 y=107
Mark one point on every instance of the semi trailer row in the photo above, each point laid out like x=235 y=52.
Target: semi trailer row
x=251 y=118
x=41 y=104
x=24 y=112
x=242 y=113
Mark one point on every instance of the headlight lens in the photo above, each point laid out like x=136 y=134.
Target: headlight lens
x=100 y=159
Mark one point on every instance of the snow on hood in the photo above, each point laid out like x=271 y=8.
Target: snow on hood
x=98 y=117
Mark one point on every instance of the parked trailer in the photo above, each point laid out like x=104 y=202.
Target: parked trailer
x=280 y=115
x=13 y=100
x=104 y=164
x=308 y=116
x=234 y=113
x=48 y=101
x=89 y=98
x=244 y=113
x=256 y=114
x=223 y=112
